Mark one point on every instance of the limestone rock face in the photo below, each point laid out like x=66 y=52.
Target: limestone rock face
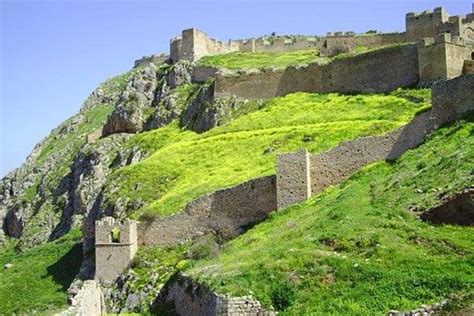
x=129 y=115
x=181 y=73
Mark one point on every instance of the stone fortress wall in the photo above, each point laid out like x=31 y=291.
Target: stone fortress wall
x=154 y=59
x=377 y=71
x=194 y=44
x=224 y=212
x=300 y=175
x=451 y=100
x=444 y=50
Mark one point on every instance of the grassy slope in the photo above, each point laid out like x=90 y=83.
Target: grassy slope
x=186 y=165
x=356 y=249
x=246 y=60
x=40 y=276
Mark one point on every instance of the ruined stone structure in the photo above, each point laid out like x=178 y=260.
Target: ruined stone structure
x=299 y=176
x=88 y=301
x=115 y=246
x=191 y=298
x=442 y=57
x=430 y=23
x=444 y=50
x=194 y=44
x=451 y=99
x=155 y=59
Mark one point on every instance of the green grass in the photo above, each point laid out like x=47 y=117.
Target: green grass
x=185 y=165
x=40 y=276
x=355 y=249
x=246 y=60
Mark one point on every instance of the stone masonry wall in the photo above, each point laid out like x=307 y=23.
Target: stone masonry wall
x=225 y=212
x=113 y=257
x=89 y=301
x=155 y=59
x=293 y=178
x=194 y=44
x=419 y=26
x=451 y=99
x=377 y=71
x=191 y=298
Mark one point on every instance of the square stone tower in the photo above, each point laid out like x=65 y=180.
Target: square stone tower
x=293 y=178
x=115 y=246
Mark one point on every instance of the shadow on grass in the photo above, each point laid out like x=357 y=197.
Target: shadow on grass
x=65 y=269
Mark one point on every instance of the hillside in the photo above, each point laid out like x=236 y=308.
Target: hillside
x=292 y=175
x=360 y=248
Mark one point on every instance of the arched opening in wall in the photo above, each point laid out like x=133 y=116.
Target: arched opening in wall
x=472 y=56
x=115 y=235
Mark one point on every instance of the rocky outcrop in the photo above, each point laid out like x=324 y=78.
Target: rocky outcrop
x=130 y=114
x=47 y=195
x=181 y=73
x=204 y=112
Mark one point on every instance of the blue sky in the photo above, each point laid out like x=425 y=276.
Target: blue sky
x=54 y=53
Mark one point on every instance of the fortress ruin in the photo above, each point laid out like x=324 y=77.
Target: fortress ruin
x=434 y=46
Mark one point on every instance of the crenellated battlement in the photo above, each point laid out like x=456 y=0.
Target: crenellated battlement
x=116 y=244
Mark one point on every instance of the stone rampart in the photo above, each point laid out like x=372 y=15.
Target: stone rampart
x=194 y=44
x=380 y=70
x=155 y=59
x=451 y=100
x=441 y=58
x=425 y=24
x=225 y=212
x=203 y=73
x=190 y=298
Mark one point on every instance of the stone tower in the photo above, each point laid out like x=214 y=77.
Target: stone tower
x=115 y=247
x=293 y=178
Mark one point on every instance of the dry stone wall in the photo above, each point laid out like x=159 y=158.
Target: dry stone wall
x=191 y=298
x=224 y=212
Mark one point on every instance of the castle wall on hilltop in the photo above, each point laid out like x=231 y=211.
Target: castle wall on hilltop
x=419 y=26
x=451 y=99
x=194 y=44
x=300 y=175
x=377 y=71
x=442 y=57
